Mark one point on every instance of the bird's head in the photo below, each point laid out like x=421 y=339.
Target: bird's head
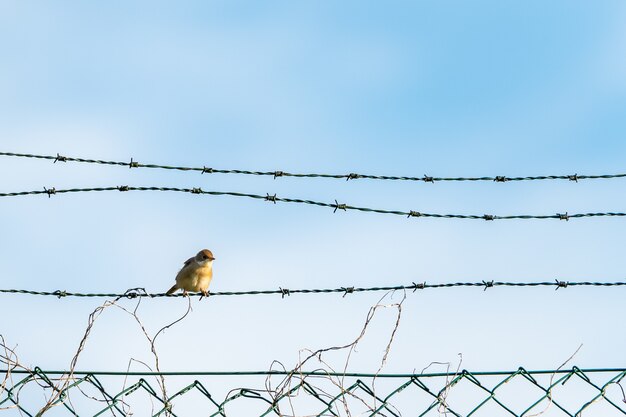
x=204 y=257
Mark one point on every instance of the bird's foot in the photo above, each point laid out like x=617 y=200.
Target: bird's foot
x=204 y=294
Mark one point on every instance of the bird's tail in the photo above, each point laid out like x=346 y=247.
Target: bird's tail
x=172 y=290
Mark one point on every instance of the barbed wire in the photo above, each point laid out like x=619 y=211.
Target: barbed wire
x=335 y=206
x=279 y=174
x=377 y=395
x=285 y=292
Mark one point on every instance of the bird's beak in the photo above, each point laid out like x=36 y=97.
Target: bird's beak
x=212 y=259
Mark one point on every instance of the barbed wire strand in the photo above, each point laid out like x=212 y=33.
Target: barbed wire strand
x=335 y=206
x=278 y=174
x=285 y=292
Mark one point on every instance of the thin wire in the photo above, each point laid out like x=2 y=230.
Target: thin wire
x=335 y=206
x=277 y=174
x=283 y=292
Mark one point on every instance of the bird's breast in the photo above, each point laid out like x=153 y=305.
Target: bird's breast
x=204 y=272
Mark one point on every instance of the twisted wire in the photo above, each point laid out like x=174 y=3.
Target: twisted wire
x=335 y=206
x=348 y=176
x=285 y=292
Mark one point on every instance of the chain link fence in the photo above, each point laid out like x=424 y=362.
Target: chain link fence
x=573 y=392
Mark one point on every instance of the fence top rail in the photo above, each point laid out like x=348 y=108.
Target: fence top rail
x=521 y=370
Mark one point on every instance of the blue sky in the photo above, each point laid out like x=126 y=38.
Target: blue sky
x=402 y=88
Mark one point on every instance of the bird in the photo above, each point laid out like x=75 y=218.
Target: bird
x=195 y=275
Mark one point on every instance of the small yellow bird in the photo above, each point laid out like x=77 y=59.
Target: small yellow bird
x=195 y=275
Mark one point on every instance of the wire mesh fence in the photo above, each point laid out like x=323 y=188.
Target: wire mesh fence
x=573 y=392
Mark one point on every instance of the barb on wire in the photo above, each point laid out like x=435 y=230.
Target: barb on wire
x=344 y=290
x=335 y=205
x=347 y=176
